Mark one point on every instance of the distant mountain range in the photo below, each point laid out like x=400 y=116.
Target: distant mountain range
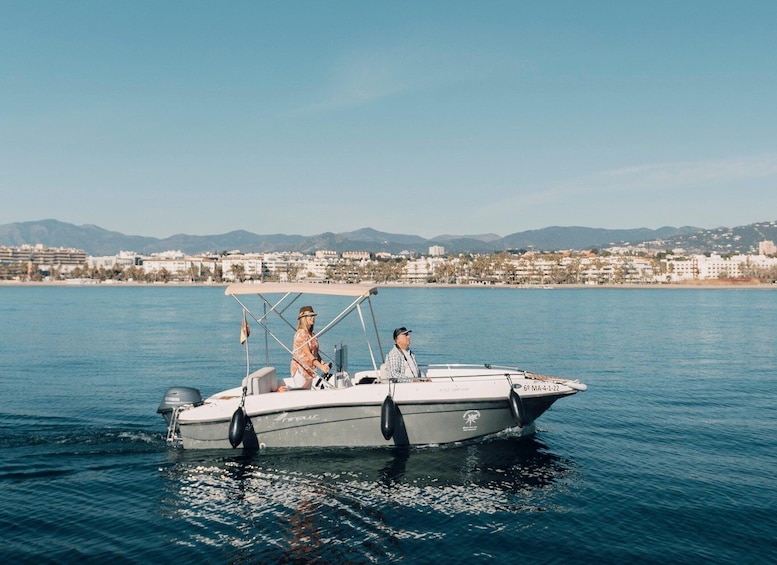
x=98 y=241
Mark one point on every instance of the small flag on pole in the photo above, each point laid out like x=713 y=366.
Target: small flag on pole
x=245 y=330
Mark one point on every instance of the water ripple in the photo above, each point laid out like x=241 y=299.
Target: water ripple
x=355 y=505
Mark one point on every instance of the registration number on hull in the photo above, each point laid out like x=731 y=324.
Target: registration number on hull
x=544 y=387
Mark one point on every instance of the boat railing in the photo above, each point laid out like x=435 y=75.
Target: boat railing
x=452 y=371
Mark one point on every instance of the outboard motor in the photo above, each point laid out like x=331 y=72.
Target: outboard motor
x=178 y=396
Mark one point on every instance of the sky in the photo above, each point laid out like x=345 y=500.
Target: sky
x=158 y=118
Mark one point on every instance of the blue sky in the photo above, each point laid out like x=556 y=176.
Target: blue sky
x=159 y=117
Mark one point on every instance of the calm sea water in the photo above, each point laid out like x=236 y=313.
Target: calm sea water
x=669 y=457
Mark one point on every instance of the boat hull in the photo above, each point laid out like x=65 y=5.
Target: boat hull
x=425 y=413
x=359 y=427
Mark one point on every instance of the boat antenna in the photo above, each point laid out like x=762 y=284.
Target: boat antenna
x=375 y=327
x=364 y=329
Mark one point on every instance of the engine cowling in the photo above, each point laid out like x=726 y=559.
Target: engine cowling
x=178 y=396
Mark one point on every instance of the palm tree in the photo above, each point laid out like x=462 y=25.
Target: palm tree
x=238 y=271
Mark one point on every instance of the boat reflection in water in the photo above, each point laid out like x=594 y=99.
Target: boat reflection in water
x=354 y=504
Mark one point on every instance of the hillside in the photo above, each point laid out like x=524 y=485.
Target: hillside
x=98 y=241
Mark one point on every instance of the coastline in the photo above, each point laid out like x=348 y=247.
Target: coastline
x=712 y=284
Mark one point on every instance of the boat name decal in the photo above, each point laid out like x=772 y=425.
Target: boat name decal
x=285 y=417
x=457 y=388
x=471 y=418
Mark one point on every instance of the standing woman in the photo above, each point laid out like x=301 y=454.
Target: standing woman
x=305 y=356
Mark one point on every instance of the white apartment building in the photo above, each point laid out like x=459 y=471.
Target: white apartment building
x=46 y=258
x=123 y=259
x=253 y=267
x=704 y=267
x=767 y=248
x=314 y=268
x=356 y=255
x=193 y=266
x=279 y=264
x=173 y=266
x=531 y=270
x=419 y=270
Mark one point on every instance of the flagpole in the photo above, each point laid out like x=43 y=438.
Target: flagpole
x=245 y=331
x=266 y=340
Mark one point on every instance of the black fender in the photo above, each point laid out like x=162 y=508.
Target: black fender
x=517 y=410
x=237 y=427
x=388 y=416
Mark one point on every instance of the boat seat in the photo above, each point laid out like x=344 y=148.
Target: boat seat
x=262 y=381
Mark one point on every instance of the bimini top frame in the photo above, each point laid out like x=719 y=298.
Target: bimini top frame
x=290 y=292
x=301 y=288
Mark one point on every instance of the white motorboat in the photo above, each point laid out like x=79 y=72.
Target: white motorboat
x=453 y=402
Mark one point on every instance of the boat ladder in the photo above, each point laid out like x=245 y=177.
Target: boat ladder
x=173 y=435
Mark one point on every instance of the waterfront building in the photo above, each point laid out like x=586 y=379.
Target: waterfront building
x=714 y=266
x=356 y=255
x=23 y=261
x=244 y=267
x=420 y=270
x=42 y=255
x=277 y=264
x=123 y=259
x=313 y=268
x=165 y=267
x=767 y=248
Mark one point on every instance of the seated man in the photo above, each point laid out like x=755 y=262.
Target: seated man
x=401 y=366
